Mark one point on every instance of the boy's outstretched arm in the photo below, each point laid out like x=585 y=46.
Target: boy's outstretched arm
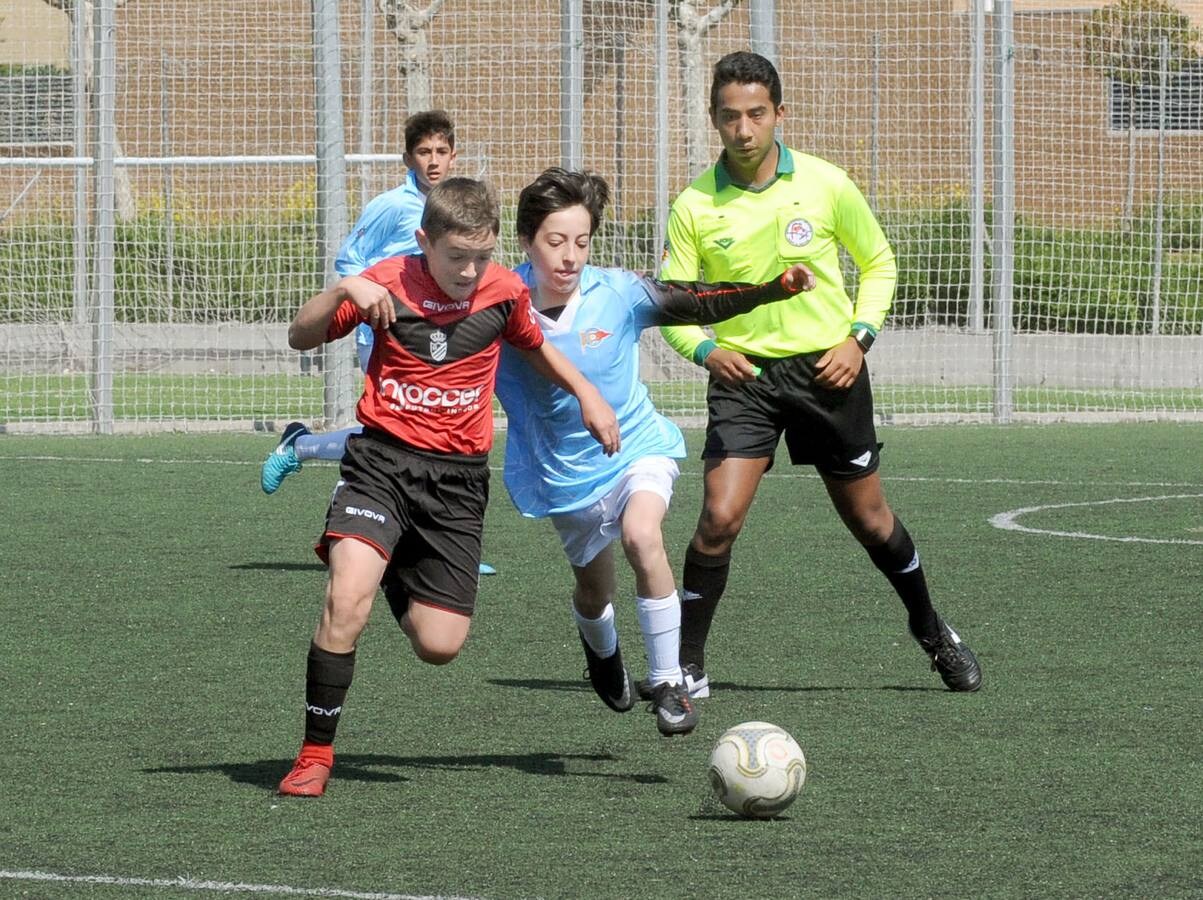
x=312 y=321
x=596 y=413
x=698 y=303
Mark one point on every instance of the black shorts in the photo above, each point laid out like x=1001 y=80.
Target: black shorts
x=423 y=512
x=829 y=429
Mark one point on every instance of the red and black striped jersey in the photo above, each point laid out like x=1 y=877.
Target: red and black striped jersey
x=430 y=379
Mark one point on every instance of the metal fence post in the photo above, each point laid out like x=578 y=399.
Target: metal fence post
x=763 y=29
x=977 y=170
x=1004 y=209
x=79 y=98
x=875 y=119
x=338 y=394
x=572 y=83
x=367 y=93
x=661 y=172
x=103 y=256
x=1159 y=216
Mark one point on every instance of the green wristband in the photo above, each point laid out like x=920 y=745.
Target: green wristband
x=702 y=350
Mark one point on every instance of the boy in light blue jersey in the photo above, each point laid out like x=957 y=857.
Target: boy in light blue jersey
x=594 y=317
x=385 y=229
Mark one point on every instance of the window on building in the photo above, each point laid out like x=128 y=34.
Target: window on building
x=1139 y=104
x=35 y=106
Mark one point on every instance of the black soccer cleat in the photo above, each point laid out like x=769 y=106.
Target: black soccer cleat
x=695 y=681
x=610 y=678
x=952 y=659
x=675 y=712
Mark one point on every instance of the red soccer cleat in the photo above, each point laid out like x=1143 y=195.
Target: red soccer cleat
x=308 y=776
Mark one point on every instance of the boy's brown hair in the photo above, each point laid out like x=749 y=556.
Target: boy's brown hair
x=556 y=189
x=460 y=206
x=422 y=125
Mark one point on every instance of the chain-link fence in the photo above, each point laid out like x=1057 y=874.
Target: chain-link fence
x=173 y=176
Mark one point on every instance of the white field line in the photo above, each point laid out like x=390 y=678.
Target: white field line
x=807 y=476
x=1007 y=521
x=217 y=887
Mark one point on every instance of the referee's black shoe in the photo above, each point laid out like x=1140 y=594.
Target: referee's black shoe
x=610 y=678
x=952 y=659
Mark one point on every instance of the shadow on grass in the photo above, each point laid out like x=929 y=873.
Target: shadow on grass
x=283 y=567
x=732 y=817
x=542 y=684
x=550 y=684
x=373 y=767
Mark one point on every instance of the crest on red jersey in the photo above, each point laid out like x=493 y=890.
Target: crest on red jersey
x=438 y=345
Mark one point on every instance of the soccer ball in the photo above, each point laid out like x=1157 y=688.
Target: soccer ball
x=757 y=769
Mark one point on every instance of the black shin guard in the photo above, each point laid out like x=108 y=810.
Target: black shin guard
x=327 y=678
x=898 y=560
x=703 y=583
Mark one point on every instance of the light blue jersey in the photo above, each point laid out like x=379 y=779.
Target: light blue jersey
x=552 y=464
x=384 y=229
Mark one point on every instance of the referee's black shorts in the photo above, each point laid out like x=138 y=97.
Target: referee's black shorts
x=423 y=512
x=829 y=429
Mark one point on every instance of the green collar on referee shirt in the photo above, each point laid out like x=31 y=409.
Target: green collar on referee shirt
x=785 y=166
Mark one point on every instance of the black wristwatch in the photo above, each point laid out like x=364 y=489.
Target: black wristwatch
x=864 y=335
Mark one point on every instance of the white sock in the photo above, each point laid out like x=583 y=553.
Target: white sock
x=325 y=444
x=660 y=620
x=600 y=633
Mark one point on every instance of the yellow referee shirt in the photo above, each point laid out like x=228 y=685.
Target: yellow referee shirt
x=718 y=231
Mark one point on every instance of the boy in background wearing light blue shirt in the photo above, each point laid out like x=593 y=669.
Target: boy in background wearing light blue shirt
x=385 y=229
x=594 y=316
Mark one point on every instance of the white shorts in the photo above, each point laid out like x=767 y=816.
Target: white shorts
x=587 y=532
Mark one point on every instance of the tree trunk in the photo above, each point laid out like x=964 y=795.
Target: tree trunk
x=417 y=73
x=694 y=102
x=127 y=209
x=410 y=27
x=695 y=86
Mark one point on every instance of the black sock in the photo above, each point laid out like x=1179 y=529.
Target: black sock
x=327 y=678
x=898 y=560
x=703 y=583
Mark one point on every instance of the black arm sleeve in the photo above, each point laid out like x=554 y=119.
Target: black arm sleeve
x=699 y=303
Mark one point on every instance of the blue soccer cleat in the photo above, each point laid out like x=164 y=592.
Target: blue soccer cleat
x=282 y=461
x=486 y=569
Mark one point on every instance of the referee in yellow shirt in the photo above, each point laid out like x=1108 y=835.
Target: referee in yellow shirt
x=794 y=368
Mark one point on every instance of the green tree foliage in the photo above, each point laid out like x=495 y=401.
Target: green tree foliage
x=1124 y=39
x=1124 y=42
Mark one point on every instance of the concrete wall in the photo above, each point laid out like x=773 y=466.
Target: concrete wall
x=33 y=33
x=935 y=357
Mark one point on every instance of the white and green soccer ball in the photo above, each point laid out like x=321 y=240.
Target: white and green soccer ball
x=757 y=769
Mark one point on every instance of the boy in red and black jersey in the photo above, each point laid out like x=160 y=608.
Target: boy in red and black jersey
x=431 y=383
x=408 y=509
